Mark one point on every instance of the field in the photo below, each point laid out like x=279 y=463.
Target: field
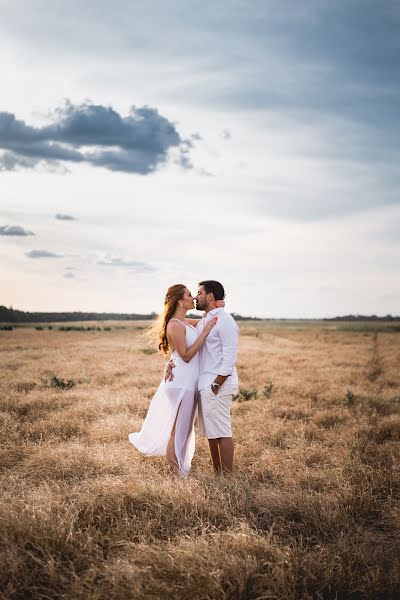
x=312 y=510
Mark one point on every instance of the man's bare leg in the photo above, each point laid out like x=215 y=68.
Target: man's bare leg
x=226 y=450
x=215 y=457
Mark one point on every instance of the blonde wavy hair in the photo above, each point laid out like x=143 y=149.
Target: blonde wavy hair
x=158 y=328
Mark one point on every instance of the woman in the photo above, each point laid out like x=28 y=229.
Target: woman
x=168 y=427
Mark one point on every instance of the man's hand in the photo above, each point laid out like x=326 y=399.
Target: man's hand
x=214 y=389
x=217 y=384
x=168 y=374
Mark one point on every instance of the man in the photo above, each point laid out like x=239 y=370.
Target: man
x=218 y=380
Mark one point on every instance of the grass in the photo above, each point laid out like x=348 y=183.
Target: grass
x=51 y=380
x=313 y=508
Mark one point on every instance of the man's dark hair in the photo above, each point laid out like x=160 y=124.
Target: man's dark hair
x=214 y=287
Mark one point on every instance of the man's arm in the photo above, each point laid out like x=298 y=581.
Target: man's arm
x=228 y=334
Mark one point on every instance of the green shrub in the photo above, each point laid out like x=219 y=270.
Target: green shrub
x=245 y=395
x=53 y=381
x=349 y=398
x=268 y=389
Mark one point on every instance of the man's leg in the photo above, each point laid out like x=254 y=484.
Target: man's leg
x=215 y=455
x=226 y=450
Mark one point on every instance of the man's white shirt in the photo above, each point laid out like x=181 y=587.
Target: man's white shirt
x=219 y=352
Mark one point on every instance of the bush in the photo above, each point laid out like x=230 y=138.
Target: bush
x=53 y=381
x=349 y=398
x=268 y=389
x=245 y=395
x=6 y=327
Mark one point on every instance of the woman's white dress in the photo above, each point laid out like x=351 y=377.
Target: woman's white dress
x=173 y=400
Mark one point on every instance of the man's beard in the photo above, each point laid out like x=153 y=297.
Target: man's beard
x=199 y=306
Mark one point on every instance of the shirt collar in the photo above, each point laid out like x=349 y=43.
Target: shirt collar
x=213 y=312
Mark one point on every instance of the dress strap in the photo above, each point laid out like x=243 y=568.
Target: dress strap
x=179 y=321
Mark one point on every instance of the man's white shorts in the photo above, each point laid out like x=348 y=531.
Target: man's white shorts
x=215 y=413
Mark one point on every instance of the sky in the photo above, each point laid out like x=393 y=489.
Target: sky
x=148 y=143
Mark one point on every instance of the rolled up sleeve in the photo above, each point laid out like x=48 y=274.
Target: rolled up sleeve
x=229 y=340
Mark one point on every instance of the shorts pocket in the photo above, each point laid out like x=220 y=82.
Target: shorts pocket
x=225 y=400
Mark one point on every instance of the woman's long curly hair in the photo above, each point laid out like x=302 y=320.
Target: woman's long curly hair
x=158 y=328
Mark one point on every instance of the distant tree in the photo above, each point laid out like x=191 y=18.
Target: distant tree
x=11 y=315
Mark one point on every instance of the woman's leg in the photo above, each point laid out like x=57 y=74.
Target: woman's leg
x=171 y=456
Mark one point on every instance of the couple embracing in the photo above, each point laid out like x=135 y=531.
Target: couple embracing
x=201 y=374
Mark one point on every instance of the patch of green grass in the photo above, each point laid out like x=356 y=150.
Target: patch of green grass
x=148 y=351
x=78 y=328
x=245 y=395
x=370 y=328
x=268 y=389
x=350 y=398
x=53 y=381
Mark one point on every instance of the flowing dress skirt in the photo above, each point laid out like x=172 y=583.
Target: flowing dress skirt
x=174 y=402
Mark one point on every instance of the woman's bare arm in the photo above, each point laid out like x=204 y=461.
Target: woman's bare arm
x=177 y=334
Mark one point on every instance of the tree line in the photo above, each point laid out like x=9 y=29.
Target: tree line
x=11 y=315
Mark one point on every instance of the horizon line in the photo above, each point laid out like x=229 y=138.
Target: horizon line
x=244 y=317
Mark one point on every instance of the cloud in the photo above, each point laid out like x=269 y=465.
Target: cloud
x=42 y=254
x=14 y=230
x=134 y=265
x=226 y=135
x=93 y=134
x=64 y=217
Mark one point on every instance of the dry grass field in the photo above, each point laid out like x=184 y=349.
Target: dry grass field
x=312 y=511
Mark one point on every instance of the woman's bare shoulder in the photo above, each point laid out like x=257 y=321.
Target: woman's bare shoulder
x=175 y=325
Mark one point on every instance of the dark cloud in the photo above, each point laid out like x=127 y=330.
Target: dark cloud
x=42 y=254
x=138 y=143
x=64 y=217
x=14 y=230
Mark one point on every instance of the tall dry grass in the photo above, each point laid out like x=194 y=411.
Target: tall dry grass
x=311 y=512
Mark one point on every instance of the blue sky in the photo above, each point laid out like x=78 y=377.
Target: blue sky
x=144 y=144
